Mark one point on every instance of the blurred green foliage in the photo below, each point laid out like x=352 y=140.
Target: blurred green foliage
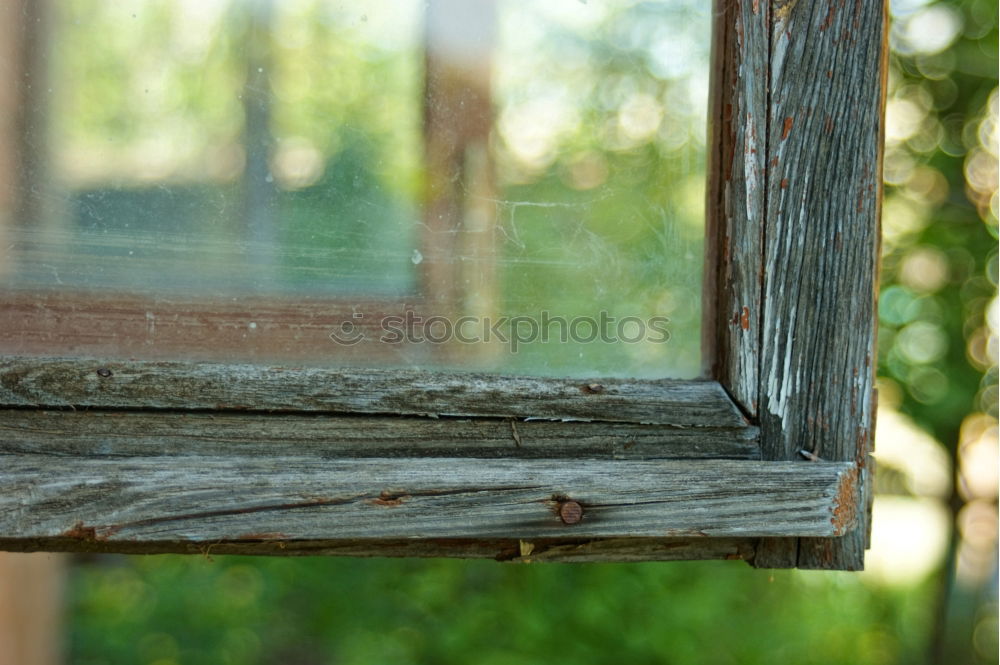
x=316 y=611
x=290 y=148
x=613 y=220
x=939 y=269
x=937 y=348
x=938 y=278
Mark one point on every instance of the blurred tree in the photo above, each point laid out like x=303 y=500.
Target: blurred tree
x=938 y=355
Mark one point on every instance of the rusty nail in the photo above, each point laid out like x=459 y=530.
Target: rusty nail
x=570 y=512
x=104 y=372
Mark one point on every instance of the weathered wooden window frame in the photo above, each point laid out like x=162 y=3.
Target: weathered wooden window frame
x=768 y=461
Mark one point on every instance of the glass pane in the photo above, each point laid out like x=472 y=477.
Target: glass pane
x=485 y=184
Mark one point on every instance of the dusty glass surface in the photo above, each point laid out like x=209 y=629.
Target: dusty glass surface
x=498 y=185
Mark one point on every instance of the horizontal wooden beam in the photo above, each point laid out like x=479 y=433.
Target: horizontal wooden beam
x=117 y=384
x=168 y=434
x=267 y=329
x=212 y=499
x=570 y=550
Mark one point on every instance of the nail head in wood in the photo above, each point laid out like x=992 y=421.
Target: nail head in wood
x=570 y=512
x=104 y=372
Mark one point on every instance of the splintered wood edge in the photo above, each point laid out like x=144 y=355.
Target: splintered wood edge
x=72 y=382
x=203 y=500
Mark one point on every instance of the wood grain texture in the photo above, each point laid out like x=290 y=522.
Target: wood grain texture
x=293 y=497
x=793 y=227
x=47 y=382
x=266 y=330
x=569 y=550
x=735 y=203
x=821 y=240
x=157 y=434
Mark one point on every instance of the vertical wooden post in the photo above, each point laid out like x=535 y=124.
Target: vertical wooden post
x=821 y=241
x=735 y=206
x=23 y=156
x=11 y=52
x=31 y=606
x=30 y=584
x=793 y=237
x=258 y=184
x=459 y=247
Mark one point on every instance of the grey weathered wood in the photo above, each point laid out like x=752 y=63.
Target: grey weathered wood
x=735 y=198
x=821 y=246
x=68 y=433
x=28 y=381
x=219 y=498
x=575 y=550
x=793 y=210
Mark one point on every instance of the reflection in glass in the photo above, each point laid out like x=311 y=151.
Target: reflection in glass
x=260 y=180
